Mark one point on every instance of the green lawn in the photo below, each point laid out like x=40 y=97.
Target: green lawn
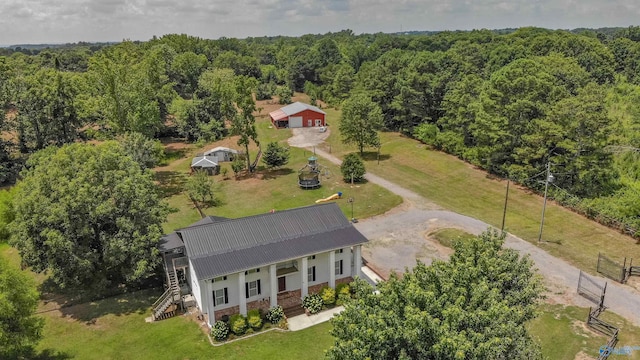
x=460 y=187
x=269 y=189
x=115 y=328
x=562 y=333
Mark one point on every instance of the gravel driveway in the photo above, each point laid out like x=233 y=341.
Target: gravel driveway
x=400 y=236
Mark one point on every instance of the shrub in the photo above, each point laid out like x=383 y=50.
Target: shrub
x=275 y=314
x=343 y=292
x=220 y=330
x=328 y=296
x=352 y=165
x=238 y=165
x=312 y=303
x=427 y=133
x=343 y=289
x=238 y=324
x=254 y=319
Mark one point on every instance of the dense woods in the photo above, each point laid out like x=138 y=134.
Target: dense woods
x=507 y=101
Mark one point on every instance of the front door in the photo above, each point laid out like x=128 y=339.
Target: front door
x=282 y=284
x=309 y=123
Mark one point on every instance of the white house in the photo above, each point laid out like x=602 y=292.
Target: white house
x=235 y=265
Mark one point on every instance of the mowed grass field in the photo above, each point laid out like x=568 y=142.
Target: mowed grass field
x=458 y=186
x=266 y=189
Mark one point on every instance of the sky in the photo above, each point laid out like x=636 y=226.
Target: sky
x=68 y=21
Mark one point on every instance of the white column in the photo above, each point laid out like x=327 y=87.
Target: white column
x=357 y=254
x=242 y=293
x=304 y=288
x=211 y=316
x=273 y=285
x=332 y=269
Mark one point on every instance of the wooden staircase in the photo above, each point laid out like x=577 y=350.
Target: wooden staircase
x=166 y=305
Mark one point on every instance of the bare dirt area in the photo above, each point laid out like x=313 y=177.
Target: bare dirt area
x=308 y=137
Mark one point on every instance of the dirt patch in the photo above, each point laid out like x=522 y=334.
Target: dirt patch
x=308 y=137
x=583 y=356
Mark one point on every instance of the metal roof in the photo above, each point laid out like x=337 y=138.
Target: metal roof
x=169 y=242
x=229 y=246
x=221 y=148
x=172 y=241
x=293 y=109
x=204 y=161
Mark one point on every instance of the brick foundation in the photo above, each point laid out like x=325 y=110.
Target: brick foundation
x=315 y=289
x=346 y=280
x=228 y=311
x=259 y=304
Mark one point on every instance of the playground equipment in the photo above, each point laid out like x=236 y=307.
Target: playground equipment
x=332 y=197
x=309 y=175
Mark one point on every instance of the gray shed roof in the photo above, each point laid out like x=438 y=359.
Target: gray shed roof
x=234 y=245
x=204 y=161
x=221 y=148
x=297 y=107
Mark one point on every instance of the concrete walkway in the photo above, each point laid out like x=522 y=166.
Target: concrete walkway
x=304 y=321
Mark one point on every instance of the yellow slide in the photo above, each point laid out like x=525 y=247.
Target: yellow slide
x=332 y=197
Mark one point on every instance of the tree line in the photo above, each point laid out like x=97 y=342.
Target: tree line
x=507 y=101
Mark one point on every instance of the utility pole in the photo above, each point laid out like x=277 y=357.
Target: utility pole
x=506 y=199
x=548 y=179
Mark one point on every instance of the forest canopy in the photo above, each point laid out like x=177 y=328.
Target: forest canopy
x=508 y=101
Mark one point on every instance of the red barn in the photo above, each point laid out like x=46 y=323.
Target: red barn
x=298 y=115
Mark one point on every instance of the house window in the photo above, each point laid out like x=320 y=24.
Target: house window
x=311 y=274
x=312 y=257
x=252 y=288
x=282 y=284
x=219 y=278
x=252 y=271
x=220 y=297
x=338 y=267
x=339 y=251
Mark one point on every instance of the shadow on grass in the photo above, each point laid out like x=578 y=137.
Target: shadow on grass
x=272 y=174
x=373 y=156
x=171 y=155
x=171 y=182
x=124 y=304
x=46 y=354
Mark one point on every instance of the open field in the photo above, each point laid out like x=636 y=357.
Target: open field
x=460 y=187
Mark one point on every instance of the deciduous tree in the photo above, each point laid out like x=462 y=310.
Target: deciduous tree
x=88 y=215
x=352 y=168
x=474 y=306
x=361 y=119
x=19 y=328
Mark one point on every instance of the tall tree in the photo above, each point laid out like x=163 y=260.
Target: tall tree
x=19 y=328
x=88 y=215
x=244 y=124
x=360 y=121
x=129 y=89
x=47 y=111
x=475 y=306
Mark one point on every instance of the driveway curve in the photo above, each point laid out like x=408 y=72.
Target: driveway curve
x=401 y=236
